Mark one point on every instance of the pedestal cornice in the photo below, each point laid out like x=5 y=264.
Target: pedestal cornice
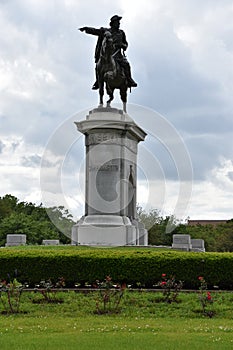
x=110 y=118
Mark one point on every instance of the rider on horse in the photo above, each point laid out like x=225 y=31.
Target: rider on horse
x=119 y=42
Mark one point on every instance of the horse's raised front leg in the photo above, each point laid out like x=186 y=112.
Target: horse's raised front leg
x=110 y=94
x=110 y=100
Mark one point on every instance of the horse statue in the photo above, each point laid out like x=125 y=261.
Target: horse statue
x=109 y=73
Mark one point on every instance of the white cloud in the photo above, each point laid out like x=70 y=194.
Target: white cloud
x=16 y=178
x=181 y=54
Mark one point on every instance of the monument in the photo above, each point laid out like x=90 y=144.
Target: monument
x=111 y=141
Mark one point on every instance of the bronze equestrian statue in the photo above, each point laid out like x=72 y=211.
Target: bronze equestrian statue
x=112 y=67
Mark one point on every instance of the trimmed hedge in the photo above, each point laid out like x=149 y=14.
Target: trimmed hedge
x=131 y=265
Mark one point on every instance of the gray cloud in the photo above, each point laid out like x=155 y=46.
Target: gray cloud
x=230 y=175
x=2 y=145
x=31 y=161
x=181 y=57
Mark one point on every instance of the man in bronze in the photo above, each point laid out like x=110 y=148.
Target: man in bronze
x=119 y=43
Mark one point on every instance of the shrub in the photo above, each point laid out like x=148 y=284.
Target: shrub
x=48 y=290
x=10 y=295
x=130 y=265
x=205 y=298
x=170 y=287
x=109 y=296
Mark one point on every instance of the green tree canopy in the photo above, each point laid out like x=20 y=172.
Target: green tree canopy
x=217 y=237
x=37 y=222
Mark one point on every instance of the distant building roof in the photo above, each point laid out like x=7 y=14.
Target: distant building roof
x=206 y=222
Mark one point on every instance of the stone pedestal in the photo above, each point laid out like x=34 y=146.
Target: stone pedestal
x=111 y=140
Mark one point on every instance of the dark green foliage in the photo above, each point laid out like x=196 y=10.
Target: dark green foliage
x=130 y=265
x=159 y=228
x=36 y=222
x=160 y=231
x=160 y=234
x=217 y=238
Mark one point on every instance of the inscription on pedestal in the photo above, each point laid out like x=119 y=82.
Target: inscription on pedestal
x=102 y=137
x=111 y=138
x=107 y=167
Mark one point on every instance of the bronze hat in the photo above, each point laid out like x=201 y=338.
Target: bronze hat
x=115 y=18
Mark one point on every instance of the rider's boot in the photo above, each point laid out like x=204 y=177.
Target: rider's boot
x=131 y=82
x=95 y=85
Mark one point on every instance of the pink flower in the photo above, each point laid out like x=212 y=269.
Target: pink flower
x=200 y=278
x=163 y=274
x=163 y=283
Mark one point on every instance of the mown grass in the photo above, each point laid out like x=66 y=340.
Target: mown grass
x=144 y=322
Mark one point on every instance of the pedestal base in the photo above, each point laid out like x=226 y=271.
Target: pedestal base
x=107 y=230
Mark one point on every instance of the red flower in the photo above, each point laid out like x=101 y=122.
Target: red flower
x=163 y=274
x=163 y=283
x=200 y=278
x=209 y=297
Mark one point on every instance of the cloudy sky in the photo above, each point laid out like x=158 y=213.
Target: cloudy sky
x=181 y=53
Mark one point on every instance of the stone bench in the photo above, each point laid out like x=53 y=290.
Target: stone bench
x=198 y=245
x=15 y=240
x=182 y=242
x=50 y=242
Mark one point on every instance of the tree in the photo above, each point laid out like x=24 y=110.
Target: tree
x=62 y=221
x=36 y=222
x=160 y=229
x=224 y=241
x=20 y=223
x=8 y=204
x=161 y=233
x=217 y=237
x=149 y=219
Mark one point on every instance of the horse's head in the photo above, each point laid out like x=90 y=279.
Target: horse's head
x=107 y=44
x=108 y=35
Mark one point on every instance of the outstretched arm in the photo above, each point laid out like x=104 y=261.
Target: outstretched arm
x=92 y=31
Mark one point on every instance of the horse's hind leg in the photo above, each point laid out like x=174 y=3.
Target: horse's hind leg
x=123 y=93
x=101 y=94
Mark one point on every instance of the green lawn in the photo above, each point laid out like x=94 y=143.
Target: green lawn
x=143 y=323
